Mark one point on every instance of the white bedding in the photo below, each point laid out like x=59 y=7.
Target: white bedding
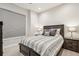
x=44 y=45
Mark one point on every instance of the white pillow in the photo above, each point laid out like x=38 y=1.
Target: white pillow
x=47 y=33
x=58 y=31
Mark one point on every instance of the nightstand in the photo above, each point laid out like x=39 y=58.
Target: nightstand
x=71 y=44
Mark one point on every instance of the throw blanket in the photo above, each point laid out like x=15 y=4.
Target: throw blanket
x=44 y=45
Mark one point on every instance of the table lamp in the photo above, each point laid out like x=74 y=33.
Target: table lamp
x=72 y=29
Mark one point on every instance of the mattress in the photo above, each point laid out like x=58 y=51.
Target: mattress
x=44 y=45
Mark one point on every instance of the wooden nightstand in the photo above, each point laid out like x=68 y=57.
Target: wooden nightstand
x=71 y=44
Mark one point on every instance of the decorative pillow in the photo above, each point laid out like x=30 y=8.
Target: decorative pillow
x=53 y=32
x=58 y=31
x=46 y=32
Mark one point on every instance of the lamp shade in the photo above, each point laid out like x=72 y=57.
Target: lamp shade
x=39 y=28
x=72 y=29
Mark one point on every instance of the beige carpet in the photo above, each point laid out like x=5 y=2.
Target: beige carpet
x=69 y=53
x=14 y=51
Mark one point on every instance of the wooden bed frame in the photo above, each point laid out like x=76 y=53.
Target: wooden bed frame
x=25 y=50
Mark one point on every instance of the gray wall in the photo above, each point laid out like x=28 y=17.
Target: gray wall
x=13 y=23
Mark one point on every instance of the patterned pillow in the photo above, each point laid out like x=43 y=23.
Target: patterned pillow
x=53 y=32
x=46 y=32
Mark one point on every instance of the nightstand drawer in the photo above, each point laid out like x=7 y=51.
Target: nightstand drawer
x=68 y=41
x=71 y=44
x=71 y=47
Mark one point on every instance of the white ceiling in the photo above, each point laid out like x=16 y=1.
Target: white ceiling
x=38 y=7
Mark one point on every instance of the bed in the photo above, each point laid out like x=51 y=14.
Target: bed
x=43 y=45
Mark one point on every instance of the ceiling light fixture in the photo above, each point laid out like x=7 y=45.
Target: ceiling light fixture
x=39 y=8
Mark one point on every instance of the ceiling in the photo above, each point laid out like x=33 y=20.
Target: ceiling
x=38 y=7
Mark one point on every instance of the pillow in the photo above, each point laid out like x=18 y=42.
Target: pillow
x=58 y=31
x=53 y=32
x=46 y=32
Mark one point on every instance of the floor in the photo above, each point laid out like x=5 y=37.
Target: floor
x=14 y=51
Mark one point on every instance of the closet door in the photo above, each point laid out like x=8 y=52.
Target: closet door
x=1 y=41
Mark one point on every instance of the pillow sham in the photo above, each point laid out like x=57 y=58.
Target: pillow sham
x=53 y=32
x=46 y=32
x=58 y=31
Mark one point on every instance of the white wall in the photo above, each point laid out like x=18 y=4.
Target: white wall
x=67 y=14
x=34 y=22
x=28 y=24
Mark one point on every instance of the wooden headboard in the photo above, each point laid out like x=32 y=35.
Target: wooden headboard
x=56 y=26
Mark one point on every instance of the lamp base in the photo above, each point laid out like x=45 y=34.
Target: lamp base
x=71 y=35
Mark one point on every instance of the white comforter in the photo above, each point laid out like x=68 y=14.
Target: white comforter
x=44 y=45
